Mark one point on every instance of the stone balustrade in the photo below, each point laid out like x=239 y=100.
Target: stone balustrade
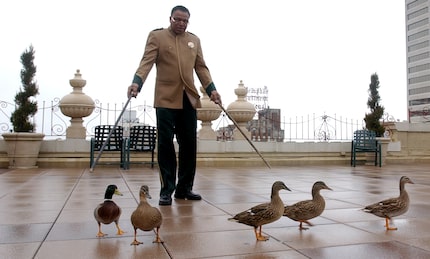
x=409 y=143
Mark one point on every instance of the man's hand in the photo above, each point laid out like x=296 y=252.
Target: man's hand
x=216 y=97
x=132 y=90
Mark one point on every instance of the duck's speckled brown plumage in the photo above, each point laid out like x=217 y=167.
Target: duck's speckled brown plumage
x=264 y=213
x=108 y=211
x=146 y=217
x=303 y=211
x=392 y=207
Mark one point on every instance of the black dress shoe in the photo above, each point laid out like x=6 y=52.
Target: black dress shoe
x=165 y=200
x=188 y=196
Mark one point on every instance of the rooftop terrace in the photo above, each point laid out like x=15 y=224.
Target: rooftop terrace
x=48 y=213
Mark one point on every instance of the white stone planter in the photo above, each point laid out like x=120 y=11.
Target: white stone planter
x=23 y=149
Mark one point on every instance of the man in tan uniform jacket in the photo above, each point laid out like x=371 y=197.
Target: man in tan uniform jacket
x=177 y=54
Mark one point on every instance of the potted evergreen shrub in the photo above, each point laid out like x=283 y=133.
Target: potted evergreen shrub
x=23 y=144
x=373 y=119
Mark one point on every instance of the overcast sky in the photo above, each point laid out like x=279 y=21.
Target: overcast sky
x=314 y=56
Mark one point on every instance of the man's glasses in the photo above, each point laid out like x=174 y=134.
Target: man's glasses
x=178 y=20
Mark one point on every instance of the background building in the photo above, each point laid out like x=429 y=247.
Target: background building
x=418 y=60
x=267 y=127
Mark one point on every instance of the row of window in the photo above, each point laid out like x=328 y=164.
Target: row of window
x=419 y=68
x=419 y=79
x=419 y=57
x=419 y=102
x=418 y=24
x=418 y=46
x=415 y=3
x=417 y=13
x=418 y=35
x=421 y=90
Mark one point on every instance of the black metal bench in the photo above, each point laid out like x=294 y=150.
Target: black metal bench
x=142 y=139
x=365 y=142
x=115 y=143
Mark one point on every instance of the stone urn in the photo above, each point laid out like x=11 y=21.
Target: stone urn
x=23 y=149
x=241 y=111
x=77 y=105
x=206 y=114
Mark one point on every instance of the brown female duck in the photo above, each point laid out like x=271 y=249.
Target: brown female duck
x=303 y=211
x=264 y=213
x=108 y=212
x=392 y=207
x=146 y=217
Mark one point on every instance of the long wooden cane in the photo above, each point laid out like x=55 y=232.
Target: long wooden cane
x=109 y=135
x=243 y=133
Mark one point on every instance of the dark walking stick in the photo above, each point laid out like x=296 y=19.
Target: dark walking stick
x=243 y=133
x=109 y=135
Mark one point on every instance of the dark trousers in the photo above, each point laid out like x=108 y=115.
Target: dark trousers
x=183 y=124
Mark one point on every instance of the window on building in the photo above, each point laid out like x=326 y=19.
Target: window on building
x=419 y=68
x=417 y=13
x=418 y=46
x=419 y=79
x=419 y=102
x=418 y=24
x=421 y=90
x=418 y=35
x=419 y=57
x=415 y=3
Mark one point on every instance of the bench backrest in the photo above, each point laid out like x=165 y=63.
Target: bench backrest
x=365 y=139
x=143 y=138
x=101 y=133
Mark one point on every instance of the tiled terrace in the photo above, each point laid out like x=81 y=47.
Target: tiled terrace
x=48 y=213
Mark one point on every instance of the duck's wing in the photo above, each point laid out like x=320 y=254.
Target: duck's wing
x=301 y=210
x=385 y=207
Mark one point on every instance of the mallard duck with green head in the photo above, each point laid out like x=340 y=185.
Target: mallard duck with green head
x=264 y=213
x=392 y=207
x=303 y=211
x=146 y=217
x=108 y=211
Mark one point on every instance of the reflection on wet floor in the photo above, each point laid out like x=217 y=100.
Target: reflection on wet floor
x=48 y=213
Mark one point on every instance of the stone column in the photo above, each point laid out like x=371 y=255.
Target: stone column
x=384 y=148
x=76 y=105
x=206 y=114
x=241 y=111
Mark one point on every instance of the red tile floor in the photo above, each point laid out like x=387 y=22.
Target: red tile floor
x=48 y=213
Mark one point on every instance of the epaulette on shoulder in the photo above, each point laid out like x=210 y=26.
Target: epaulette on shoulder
x=191 y=33
x=158 y=29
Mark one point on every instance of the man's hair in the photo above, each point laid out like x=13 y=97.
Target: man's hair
x=180 y=8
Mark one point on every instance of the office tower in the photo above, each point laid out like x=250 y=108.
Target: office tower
x=418 y=60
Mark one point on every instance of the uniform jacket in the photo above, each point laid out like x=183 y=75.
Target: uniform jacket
x=176 y=58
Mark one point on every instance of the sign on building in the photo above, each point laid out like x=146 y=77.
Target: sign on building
x=259 y=97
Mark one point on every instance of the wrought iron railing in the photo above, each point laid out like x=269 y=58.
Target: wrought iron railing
x=50 y=121
x=53 y=123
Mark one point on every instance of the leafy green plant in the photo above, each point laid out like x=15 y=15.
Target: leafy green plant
x=25 y=106
x=373 y=118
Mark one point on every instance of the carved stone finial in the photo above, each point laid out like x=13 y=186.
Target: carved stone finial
x=241 y=110
x=77 y=105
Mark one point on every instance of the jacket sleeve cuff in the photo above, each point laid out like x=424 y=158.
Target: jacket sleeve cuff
x=210 y=88
x=137 y=80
